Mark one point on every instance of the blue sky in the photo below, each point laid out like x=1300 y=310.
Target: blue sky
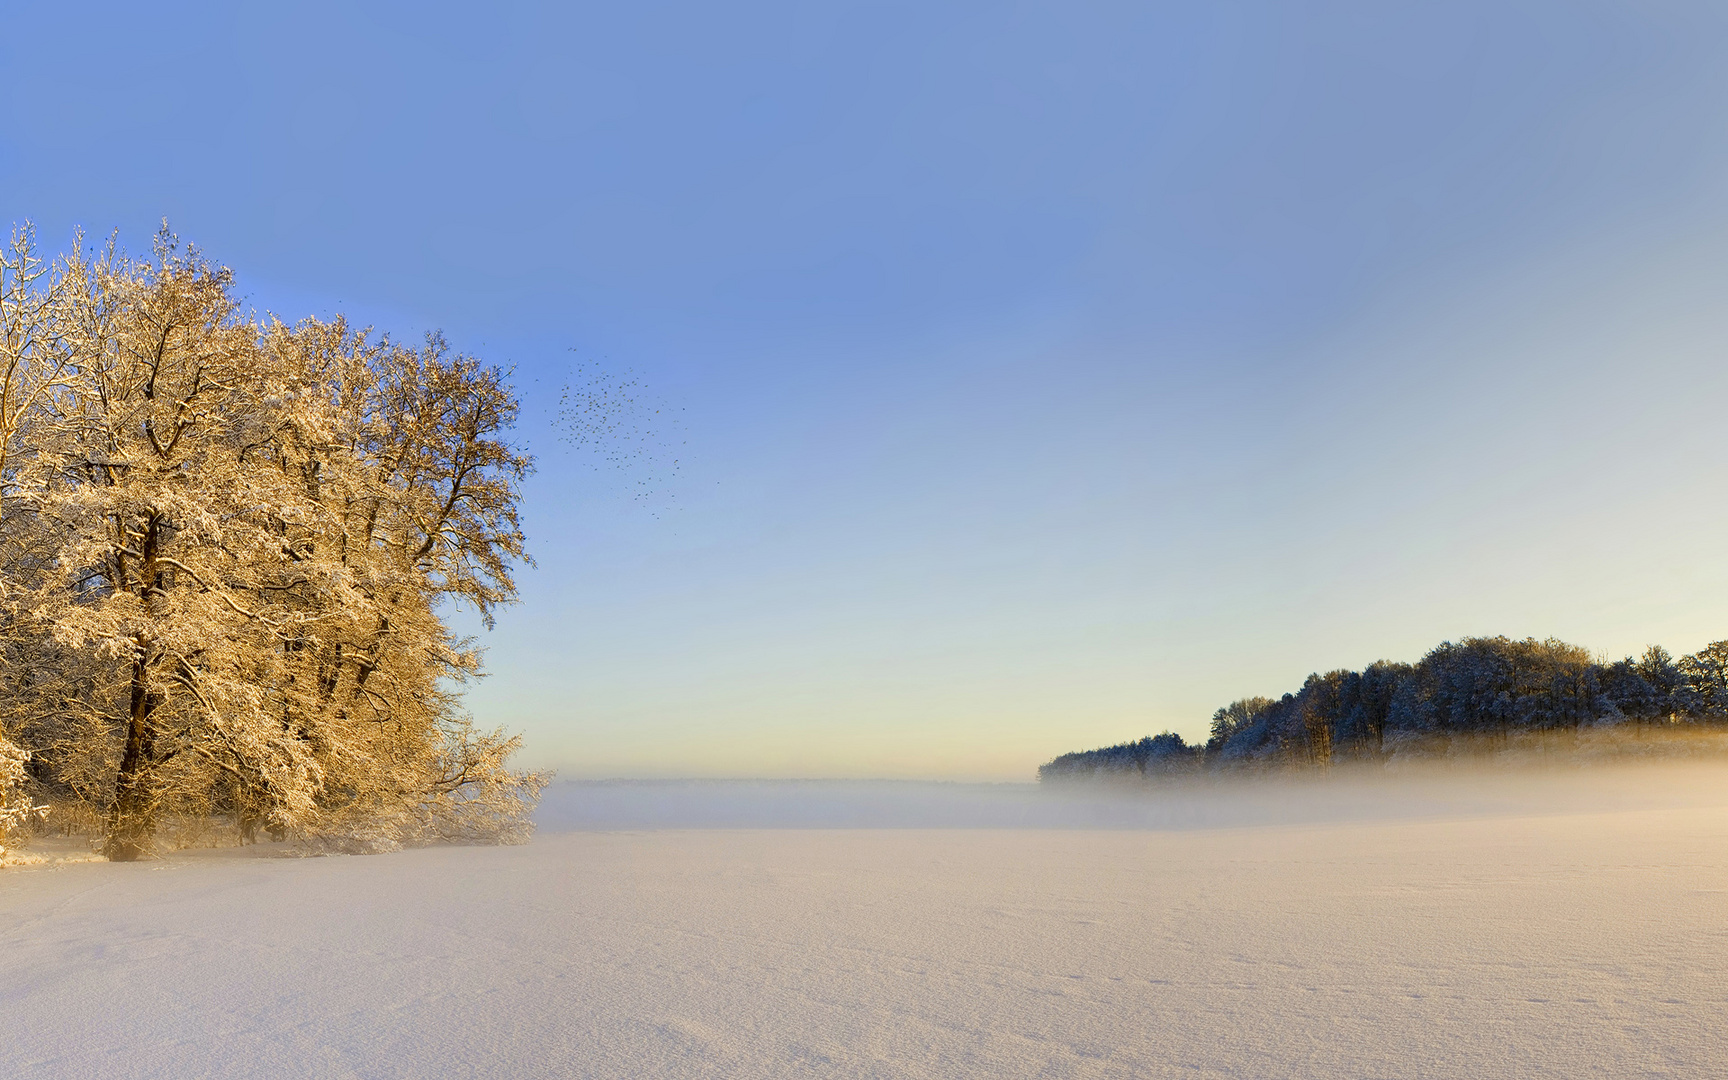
x=1037 y=375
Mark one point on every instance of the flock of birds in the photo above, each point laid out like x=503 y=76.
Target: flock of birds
x=613 y=419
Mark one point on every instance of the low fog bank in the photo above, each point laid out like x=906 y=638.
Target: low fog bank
x=1343 y=793
x=1411 y=924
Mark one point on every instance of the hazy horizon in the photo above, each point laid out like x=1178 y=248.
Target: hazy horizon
x=1006 y=382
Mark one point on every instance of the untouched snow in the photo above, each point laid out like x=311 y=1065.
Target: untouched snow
x=1570 y=925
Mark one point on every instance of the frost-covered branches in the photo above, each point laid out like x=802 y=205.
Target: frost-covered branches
x=224 y=547
x=16 y=805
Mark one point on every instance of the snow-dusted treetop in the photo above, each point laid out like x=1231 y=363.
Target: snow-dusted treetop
x=223 y=546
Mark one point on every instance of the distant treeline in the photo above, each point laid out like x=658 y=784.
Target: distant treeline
x=1477 y=687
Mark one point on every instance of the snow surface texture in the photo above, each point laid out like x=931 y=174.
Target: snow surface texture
x=1572 y=925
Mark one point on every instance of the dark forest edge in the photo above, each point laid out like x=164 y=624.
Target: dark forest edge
x=1481 y=694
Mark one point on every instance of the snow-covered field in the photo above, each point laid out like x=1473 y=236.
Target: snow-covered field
x=1567 y=925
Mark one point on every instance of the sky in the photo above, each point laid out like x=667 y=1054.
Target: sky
x=1002 y=379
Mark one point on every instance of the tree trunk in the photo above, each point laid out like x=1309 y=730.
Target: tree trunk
x=132 y=822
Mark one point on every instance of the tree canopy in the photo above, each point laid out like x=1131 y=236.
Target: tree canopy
x=228 y=547
x=1479 y=687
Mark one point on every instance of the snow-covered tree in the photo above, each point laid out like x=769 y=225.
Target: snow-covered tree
x=1706 y=675
x=229 y=544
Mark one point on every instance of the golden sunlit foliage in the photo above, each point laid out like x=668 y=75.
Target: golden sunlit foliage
x=225 y=544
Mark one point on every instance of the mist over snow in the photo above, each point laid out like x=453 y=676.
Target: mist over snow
x=1451 y=923
x=893 y=390
x=1370 y=793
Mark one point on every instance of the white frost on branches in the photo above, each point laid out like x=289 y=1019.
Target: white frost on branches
x=223 y=547
x=16 y=806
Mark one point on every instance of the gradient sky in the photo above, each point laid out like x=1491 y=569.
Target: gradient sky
x=1038 y=376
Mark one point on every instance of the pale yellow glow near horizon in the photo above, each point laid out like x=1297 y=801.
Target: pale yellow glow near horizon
x=1537 y=456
